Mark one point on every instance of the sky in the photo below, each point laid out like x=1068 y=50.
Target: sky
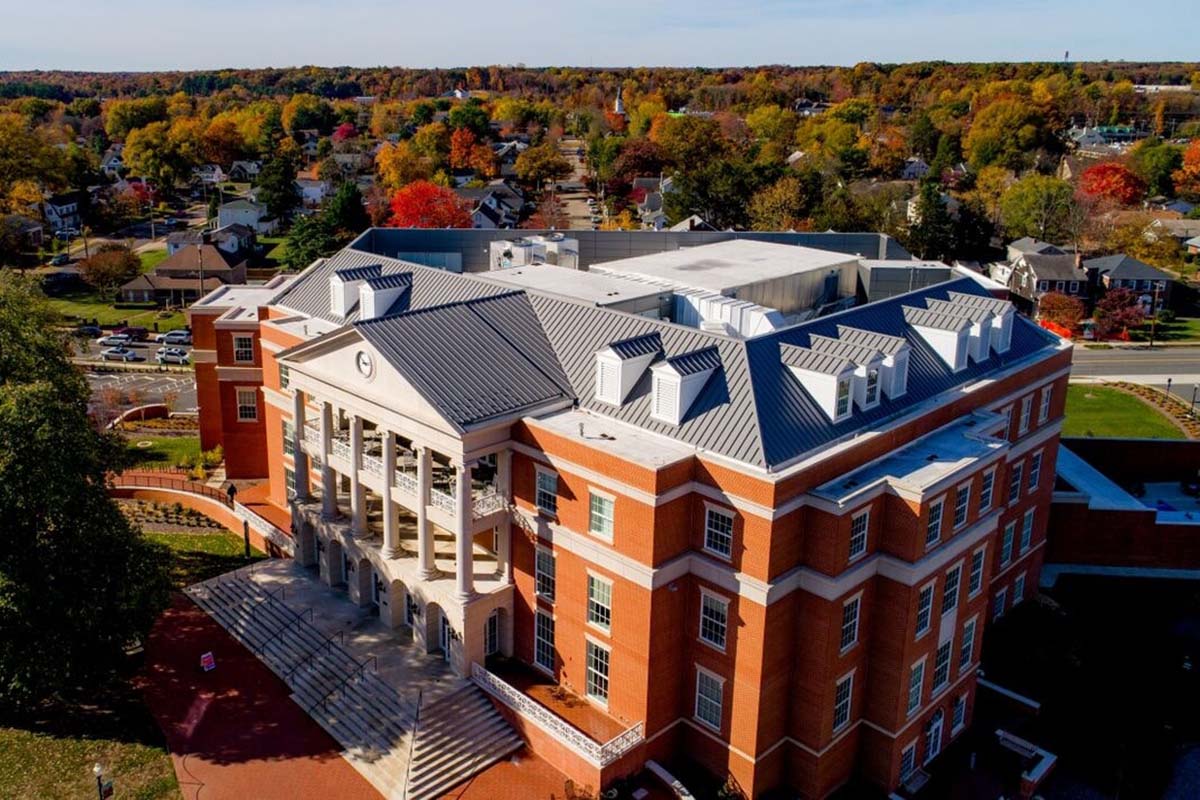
x=136 y=35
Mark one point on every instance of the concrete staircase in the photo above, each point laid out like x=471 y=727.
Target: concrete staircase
x=459 y=735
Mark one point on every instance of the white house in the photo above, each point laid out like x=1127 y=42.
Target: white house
x=62 y=211
x=312 y=192
x=245 y=212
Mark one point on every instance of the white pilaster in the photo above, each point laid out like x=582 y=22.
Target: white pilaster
x=328 y=477
x=424 y=529
x=299 y=457
x=391 y=547
x=358 y=493
x=464 y=565
x=504 y=534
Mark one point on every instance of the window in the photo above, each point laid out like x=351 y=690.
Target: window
x=850 y=623
x=289 y=438
x=243 y=349
x=718 y=532
x=546 y=496
x=1060 y=285
x=597 y=672
x=491 y=634
x=599 y=606
x=858 y=533
x=285 y=376
x=966 y=650
x=710 y=692
x=1044 y=408
x=543 y=640
x=843 y=693
x=985 y=490
x=1019 y=589
x=1035 y=471
x=958 y=717
x=962 y=502
x=600 y=515
x=1026 y=530
x=1043 y=285
x=289 y=481
x=247 y=405
x=924 y=609
x=1014 y=483
x=950 y=590
x=1026 y=407
x=908 y=761
x=544 y=574
x=1006 y=543
x=941 y=666
x=843 y=398
x=872 y=387
x=1007 y=421
x=975 y=578
x=998 y=603
x=916 y=685
x=714 y=619
x=1074 y=287
x=933 y=528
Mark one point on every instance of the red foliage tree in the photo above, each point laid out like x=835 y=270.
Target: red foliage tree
x=1117 y=312
x=462 y=143
x=1113 y=181
x=344 y=132
x=422 y=204
x=1061 y=309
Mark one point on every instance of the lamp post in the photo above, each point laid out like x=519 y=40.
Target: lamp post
x=99 y=773
x=1192 y=410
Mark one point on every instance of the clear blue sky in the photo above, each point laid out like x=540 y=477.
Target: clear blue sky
x=171 y=34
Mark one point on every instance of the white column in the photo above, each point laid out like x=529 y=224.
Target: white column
x=504 y=488
x=299 y=457
x=358 y=493
x=464 y=565
x=425 y=562
x=328 y=477
x=391 y=548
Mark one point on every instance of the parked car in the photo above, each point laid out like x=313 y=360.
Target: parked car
x=60 y=260
x=179 y=336
x=90 y=331
x=172 y=355
x=66 y=233
x=137 y=334
x=114 y=340
x=118 y=354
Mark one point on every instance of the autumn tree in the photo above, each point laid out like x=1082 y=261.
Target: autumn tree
x=1154 y=161
x=109 y=267
x=1062 y=310
x=344 y=133
x=785 y=204
x=1187 y=177
x=637 y=157
x=688 y=141
x=422 y=204
x=1117 y=311
x=462 y=143
x=222 y=142
x=1038 y=206
x=542 y=163
x=432 y=143
x=124 y=116
x=398 y=165
x=1006 y=132
x=27 y=162
x=305 y=112
x=1113 y=181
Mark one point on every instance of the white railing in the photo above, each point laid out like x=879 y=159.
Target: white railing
x=600 y=755
x=404 y=482
x=312 y=435
x=341 y=449
x=442 y=500
x=486 y=502
x=372 y=464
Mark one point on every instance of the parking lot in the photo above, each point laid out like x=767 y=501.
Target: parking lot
x=151 y=387
x=144 y=352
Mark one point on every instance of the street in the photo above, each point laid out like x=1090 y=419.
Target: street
x=1180 y=365
x=150 y=387
x=573 y=197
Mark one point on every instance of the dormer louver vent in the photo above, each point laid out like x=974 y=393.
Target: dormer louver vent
x=620 y=365
x=948 y=335
x=344 y=286
x=677 y=383
x=828 y=378
x=377 y=295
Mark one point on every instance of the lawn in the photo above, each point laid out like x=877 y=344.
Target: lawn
x=87 y=306
x=1182 y=329
x=152 y=258
x=200 y=556
x=164 y=451
x=274 y=249
x=1103 y=412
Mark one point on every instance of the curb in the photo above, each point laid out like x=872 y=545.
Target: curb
x=108 y=366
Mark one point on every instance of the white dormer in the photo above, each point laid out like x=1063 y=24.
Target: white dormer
x=893 y=349
x=620 y=365
x=677 y=382
x=981 y=324
x=829 y=379
x=377 y=295
x=344 y=286
x=868 y=367
x=1003 y=314
x=948 y=335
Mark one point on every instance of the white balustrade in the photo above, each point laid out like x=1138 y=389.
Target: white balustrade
x=373 y=464
x=312 y=434
x=443 y=501
x=600 y=755
x=341 y=449
x=486 y=502
x=405 y=482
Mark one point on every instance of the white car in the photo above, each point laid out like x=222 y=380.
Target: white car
x=115 y=340
x=118 y=354
x=171 y=355
x=174 y=337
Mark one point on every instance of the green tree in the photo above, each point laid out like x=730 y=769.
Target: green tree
x=542 y=163
x=923 y=136
x=277 y=184
x=78 y=583
x=931 y=236
x=1007 y=133
x=472 y=116
x=346 y=212
x=309 y=239
x=1153 y=160
x=1038 y=206
x=689 y=141
x=307 y=112
x=719 y=192
x=123 y=116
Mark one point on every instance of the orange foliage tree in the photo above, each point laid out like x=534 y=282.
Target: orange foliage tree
x=462 y=144
x=1113 y=181
x=1187 y=177
x=422 y=204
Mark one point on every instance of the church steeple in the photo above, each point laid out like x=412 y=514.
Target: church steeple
x=619 y=104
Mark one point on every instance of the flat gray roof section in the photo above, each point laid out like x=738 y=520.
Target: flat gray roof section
x=1102 y=493
x=591 y=287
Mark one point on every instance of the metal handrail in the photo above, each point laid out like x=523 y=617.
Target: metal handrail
x=325 y=643
x=412 y=741
x=185 y=485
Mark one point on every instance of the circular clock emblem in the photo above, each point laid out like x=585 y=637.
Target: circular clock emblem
x=364 y=363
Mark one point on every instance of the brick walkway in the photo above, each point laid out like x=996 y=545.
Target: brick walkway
x=234 y=732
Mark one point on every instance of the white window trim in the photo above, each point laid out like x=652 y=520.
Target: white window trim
x=724 y=601
x=541 y=470
x=857 y=623
x=1002 y=596
x=866 y=512
x=973 y=624
x=849 y=676
x=958 y=526
x=237 y=401
x=1018 y=468
x=553 y=560
x=611 y=498
x=940 y=502
x=932 y=587
x=935 y=688
x=696 y=699
x=606 y=647
x=545 y=670
x=729 y=512
x=955 y=729
x=911 y=746
x=592 y=575
x=991 y=495
x=1039 y=458
x=982 y=573
x=959 y=566
x=910 y=710
x=235 y=338
x=1019 y=597
x=1044 y=402
x=1026 y=414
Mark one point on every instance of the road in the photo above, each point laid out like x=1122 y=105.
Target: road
x=149 y=386
x=573 y=197
x=1181 y=365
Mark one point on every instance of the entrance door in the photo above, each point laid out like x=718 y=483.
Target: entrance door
x=491 y=635
x=345 y=568
x=933 y=736
x=376 y=586
x=444 y=632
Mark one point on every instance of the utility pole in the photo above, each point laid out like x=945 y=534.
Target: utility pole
x=1153 y=316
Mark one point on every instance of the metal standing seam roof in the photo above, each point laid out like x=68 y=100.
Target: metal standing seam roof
x=994 y=304
x=884 y=343
x=851 y=351
x=695 y=362
x=927 y=318
x=972 y=313
x=359 y=273
x=394 y=281
x=813 y=360
x=636 y=346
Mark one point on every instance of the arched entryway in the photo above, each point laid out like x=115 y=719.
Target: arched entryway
x=364 y=577
x=306 y=545
x=335 y=561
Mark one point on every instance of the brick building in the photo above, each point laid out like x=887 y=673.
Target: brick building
x=775 y=555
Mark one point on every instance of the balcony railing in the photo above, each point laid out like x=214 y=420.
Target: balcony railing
x=341 y=449
x=312 y=435
x=601 y=755
x=486 y=502
x=404 y=481
x=373 y=464
x=442 y=500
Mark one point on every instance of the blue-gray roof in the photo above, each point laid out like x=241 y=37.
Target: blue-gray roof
x=393 y=281
x=697 y=361
x=359 y=273
x=637 y=346
x=1123 y=267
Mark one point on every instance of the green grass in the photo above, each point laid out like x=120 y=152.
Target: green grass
x=1183 y=329
x=1103 y=412
x=87 y=306
x=166 y=451
x=275 y=248
x=200 y=556
x=152 y=258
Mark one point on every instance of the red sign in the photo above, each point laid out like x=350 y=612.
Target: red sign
x=207 y=662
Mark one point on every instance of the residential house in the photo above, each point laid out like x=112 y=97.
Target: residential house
x=309 y=139
x=915 y=168
x=1193 y=245
x=112 y=162
x=210 y=174
x=496 y=205
x=1179 y=229
x=313 y=191
x=650 y=207
x=186 y=275
x=912 y=208
x=245 y=171
x=236 y=239
x=693 y=223
x=1035 y=275
x=1027 y=244
x=63 y=211
x=246 y=212
x=1153 y=285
